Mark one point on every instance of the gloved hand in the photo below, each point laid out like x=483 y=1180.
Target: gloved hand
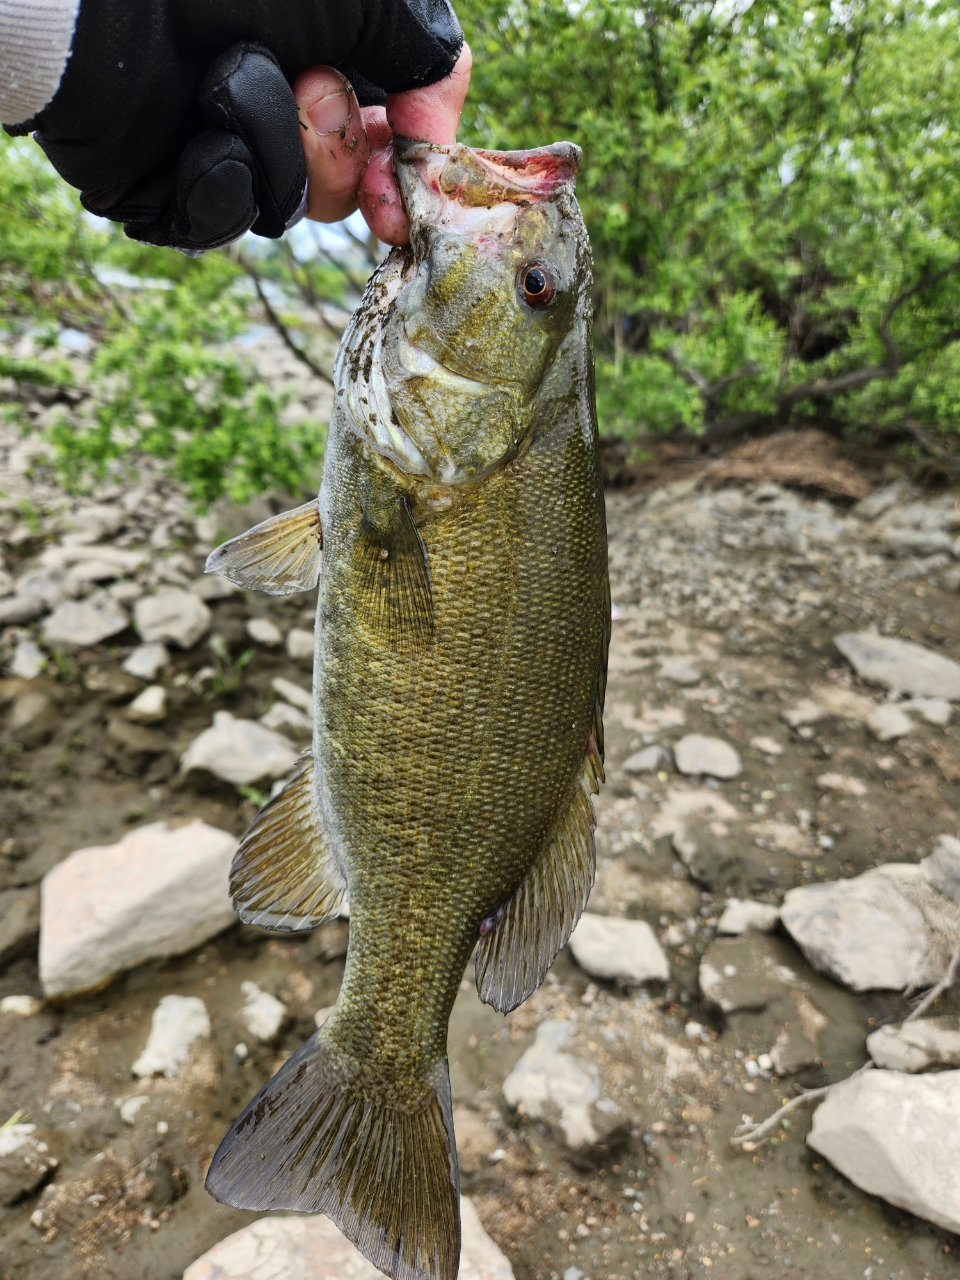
x=176 y=117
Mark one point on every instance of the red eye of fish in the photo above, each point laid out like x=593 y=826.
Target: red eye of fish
x=536 y=284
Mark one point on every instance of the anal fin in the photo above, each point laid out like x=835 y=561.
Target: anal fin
x=279 y=556
x=523 y=941
x=284 y=874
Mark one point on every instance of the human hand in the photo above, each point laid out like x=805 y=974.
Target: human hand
x=176 y=117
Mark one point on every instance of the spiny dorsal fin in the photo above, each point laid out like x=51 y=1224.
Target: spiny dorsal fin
x=514 y=955
x=279 y=556
x=377 y=1155
x=284 y=874
x=393 y=579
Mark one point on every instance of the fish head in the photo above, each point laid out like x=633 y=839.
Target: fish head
x=497 y=275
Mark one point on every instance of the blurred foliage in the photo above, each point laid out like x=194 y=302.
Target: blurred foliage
x=772 y=192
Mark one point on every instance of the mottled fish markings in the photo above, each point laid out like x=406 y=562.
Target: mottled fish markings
x=461 y=642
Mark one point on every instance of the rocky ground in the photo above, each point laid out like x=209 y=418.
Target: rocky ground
x=748 y=760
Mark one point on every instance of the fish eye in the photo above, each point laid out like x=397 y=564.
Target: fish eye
x=536 y=284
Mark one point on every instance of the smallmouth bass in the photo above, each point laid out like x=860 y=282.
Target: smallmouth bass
x=461 y=640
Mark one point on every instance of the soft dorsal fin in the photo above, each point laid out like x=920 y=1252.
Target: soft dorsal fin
x=522 y=943
x=285 y=874
x=279 y=556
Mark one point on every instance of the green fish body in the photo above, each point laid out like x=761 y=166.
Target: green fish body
x=461 y=638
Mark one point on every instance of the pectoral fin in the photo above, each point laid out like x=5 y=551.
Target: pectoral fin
x=522 y=941
x=285 y=875
x=392 y=579
x=279 y=556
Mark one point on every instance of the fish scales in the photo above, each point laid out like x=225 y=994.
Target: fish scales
x=462 y=628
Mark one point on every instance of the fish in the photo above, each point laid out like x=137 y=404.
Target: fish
x=458 y=543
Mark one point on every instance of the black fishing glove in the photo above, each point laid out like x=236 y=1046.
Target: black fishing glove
x=176 y=117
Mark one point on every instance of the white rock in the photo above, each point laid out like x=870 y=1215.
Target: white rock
x=648 y=760
x=887 y=722
x=934 y=710
x=942 y=867
x=680 y=671
x=24 y=1162
x=900 y=665
x=21 y=609
x=896 y=1136
x=769 y=746
x=282 y=716
x=310 y=1247
x=743 y=916
x=212 y=587
x=172 y=614
x=264 y=631
x=915 y=1046
x=262 y=1014
x=696 y=754
x=149 y=706
x=121 y=559
x=177 y=1022
x=21 y=1006
x=300 y=645
x=76 y=623
x=146 y=661
x=239 y=751
x=551 y=1085
x=156 y=893
x=131 y=1107
x=28 y=660
x=322 y=1015
x=843 y=783
x=295 y=694
x=627 y=950
x=865 y=932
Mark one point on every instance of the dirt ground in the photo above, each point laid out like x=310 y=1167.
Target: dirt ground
x=746 y=580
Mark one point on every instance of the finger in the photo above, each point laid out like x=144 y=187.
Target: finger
x=431 y=114
x=335 y=146
x=377 y=196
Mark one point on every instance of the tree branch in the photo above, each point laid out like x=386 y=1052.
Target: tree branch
x=753 y=1132
x=281 y=328
x=949 y=461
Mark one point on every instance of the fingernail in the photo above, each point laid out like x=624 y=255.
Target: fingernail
x=331 y=112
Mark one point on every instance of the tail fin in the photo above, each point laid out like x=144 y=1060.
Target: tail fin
x=326 y=1136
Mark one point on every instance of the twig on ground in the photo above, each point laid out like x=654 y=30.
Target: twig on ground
x=937 y=991
x=754 y=1131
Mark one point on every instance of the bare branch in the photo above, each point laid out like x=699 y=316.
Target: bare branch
x=695 y=379
x=937 y=991
x=890 y=310
x=949 y=461
x=753 y=1132
x=281 y=328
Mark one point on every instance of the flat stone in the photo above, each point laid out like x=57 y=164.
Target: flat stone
x=311 y=1247
x=564 y=1091
x=695 y=754
x=112 y=684
x=131 y=747
x=900 y=665
x=158 y=892
x=769 y=746
x=934 y=710
x=916 y=542
x=32 y=719
x=19 y=921
x=916 y=1046
x=887 y=722
x=295 y=694
x=300 y=645
x=746 y=972
x=941 y=868
x=649 y=760
x=262 y=1014
x=266 y=632
x=121 y=559
x=28 y=660
x=843 y=783
x=896 y=1136
x=149 y=706
x=210 y=586
x=623 y=950
x=282 y=716
x=239 y=751
x=176 y=1023
x=146 y=661
x=174 y=615
x=15 y=609
x=78 y=623
x=877 y=503
x=865 y=933
x=680 y=671
x=743 y=916
x=25 y=1161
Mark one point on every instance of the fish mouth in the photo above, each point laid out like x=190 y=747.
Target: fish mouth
x=483 y=179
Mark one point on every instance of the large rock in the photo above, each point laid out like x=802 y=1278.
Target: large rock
x=626 y=950
x=147 y=661
x=19 y=921
x=25 y=1161
x=176 y=1023
x=565 y=1091
x=896 y=1136
x=866 y=932
x=172 y=615
x=33 y=719
x=239 y=751
x=696 y=754
x=156 y=893
x=900 y=665
x=941 y=868
x=916 y=1046
x=311 y=1247
x=78 y=623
